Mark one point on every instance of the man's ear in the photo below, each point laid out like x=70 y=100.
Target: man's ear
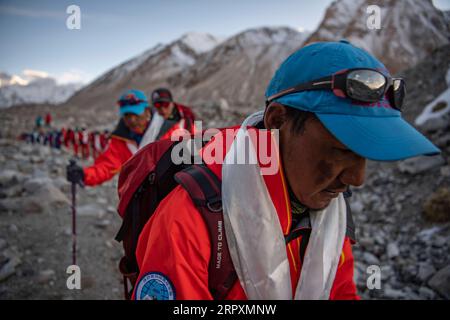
x=275 y=116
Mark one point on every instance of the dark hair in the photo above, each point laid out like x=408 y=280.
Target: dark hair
x=298 y=118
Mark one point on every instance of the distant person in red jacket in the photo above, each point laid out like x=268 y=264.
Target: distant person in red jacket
x=83 y=137
x=48 y=119
x=137 y=127
x=104 y=136
x=95 y=143
x=177 y=116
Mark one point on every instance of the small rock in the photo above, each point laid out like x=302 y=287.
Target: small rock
x=36 y=159
x=439 y=242
x=62 y=184
x=445 y=171
x=357 y=207
x=420 y=164
x=437 y=206
x=13 y=228
x=392 y=250
x=8 y=269
x=102 y=201
x=33 y=185
x=45 y=276
x=11 y=192
x=426 y=293
x=111 y=209
x=366 y=242
x=440 y=282
x=89 y=210
x=10 y=205
x=9 y=178
x=379 y=239
x=435 y=124
x=371 y=259
x=3 y=244
x=393 y=293
x=102 y=224
x=426 y=270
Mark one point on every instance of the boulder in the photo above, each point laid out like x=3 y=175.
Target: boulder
x=426 y=270
x=440 y=282
x=9 y=178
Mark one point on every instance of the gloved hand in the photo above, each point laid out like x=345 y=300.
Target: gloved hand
x=75 y=173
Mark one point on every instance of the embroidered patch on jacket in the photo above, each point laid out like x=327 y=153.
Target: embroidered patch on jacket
x=155 y=286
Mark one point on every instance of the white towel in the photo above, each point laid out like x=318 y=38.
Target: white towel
x=256 y=240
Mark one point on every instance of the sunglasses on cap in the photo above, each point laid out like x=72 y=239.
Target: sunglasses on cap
x=129 y=102
x=162 y=104
x=359 y=84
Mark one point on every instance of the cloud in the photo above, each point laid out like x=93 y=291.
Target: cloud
x=31 y=12
x=73 y=76
x=35 y=73
x=55 y=14
x=70 y=76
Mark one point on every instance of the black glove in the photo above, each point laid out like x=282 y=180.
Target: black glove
x=75 y=173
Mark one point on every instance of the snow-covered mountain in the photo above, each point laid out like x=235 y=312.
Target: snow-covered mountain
x=33 y=87
x=410 y=30
x=198 y=67
x=146 y=71
x=239 y=69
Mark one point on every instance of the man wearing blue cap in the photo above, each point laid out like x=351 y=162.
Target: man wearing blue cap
x=289 y=234
x=136 y=128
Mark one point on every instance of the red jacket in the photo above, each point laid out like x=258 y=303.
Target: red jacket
x=174 y=247
x=122 y=147
x=109 y=162
x=186 y=122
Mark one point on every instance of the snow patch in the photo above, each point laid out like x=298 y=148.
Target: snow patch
x=430 y=111
x=181 y=57
x=200 y=42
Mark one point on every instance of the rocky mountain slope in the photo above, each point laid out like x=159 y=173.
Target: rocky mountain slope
x=410 y=30
x=145 y=72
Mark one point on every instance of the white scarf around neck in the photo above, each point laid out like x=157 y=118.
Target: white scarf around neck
x=255 y=238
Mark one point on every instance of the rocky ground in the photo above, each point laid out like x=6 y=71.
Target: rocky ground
x=35 y=229
x=399 y=228
x=402 y=215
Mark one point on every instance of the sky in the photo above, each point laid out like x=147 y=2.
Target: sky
x=33 y=34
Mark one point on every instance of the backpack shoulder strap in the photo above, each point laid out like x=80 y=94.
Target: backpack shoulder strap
x=204 y=189
x=303 y=228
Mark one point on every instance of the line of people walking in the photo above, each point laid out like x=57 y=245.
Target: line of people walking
x=83 y=143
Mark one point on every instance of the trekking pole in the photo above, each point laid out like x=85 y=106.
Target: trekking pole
x=74 y=223
x=74 y=217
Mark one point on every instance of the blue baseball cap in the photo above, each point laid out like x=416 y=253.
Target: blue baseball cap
x=132 y=101
x=374 y=131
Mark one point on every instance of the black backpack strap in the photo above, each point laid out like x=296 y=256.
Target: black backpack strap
x=204 y=189
x=351 y=230
x=303 y=228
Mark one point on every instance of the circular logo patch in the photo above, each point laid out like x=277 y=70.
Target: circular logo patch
x=155 y=286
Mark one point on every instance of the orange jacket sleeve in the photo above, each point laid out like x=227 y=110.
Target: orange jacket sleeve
x=344 y=287
x=108 y=163
x=174 y=246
